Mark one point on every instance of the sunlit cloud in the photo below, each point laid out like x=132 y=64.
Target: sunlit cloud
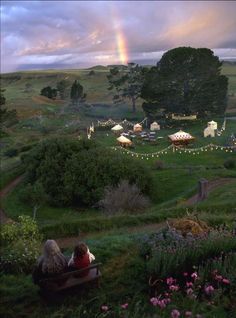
x=86 y=33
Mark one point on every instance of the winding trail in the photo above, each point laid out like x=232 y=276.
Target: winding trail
x=3 y=193
x=71 y=241
x=212 y=185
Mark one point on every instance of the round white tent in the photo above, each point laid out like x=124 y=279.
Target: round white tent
x=117 y=128
x=137 y=128
x=123 y=141
x=155 y=126
x=181 y=138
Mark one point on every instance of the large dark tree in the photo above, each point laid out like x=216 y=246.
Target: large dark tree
x=77 y=93
x=127 y=82
x=61 y=88
x=185 y=81
x=7 y=117
x=49 y=92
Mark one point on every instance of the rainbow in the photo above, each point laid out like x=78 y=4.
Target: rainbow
x=122 y=47
x=121 y=44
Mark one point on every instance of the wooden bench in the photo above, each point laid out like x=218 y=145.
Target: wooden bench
x=71 y=279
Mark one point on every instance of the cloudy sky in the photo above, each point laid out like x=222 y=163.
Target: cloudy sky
x=74 y=34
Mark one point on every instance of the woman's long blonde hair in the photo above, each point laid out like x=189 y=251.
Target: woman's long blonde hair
x=53 y=261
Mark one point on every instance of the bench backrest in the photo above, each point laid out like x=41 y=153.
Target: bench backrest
x=65 y=276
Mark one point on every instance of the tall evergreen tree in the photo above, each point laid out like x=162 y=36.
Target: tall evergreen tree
x=127 y=82
x=77 y=93
x=186 y=80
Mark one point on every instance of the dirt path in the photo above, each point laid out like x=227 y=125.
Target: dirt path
x=73 y=240
x=3 y=218
x=212 y=185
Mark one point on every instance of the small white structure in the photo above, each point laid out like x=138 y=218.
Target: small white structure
x=209 y=132
x=137 y=128
x=212 y=124
x=117 y=128
x=123 y=141
x=155 y=126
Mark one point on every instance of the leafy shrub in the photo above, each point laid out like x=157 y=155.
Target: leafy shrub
x=47 y=163
x=171 y=253
x=124 y=197
x=20 y=245
x=230 y=163
x=88 y=173
x=12 y=152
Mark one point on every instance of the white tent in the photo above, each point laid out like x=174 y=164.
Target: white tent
x=155 y=126
x=181 y=137
x=123 y=141
x=212 y=124
x=209 y=132
x=117 y=128
x=137 y=128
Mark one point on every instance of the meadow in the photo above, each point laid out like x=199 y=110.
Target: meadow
x=116 y=240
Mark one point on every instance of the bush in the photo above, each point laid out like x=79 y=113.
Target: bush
x=171 y=253
x=46 y=164
x=12 y=152
x=230 y=163
x=88 y=173
x=20 y=245
x=124 y=197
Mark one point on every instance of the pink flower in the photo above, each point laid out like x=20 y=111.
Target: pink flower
x=189 y=291
x=174 y=287
x=175 y=313
x=170 y=281
x=154 y=301
x=194 y=275
x=189 y=284
x=104 y=308
x=124 y=306
x=167 y=300
x=209 y=289
x=226 y=281
x=185 y=274
x=188 y=314
x=161 y=304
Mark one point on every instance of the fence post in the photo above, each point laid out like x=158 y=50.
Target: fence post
x=202 y=189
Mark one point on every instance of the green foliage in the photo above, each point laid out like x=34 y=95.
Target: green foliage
x=77 y=94
x=185 y=81
x=49 y=92
x=88 y=173
x=20 y=245
x=127 y=82
x=61 y=88
x=171 y=253
x=11 y=152
x=230 y=163
x=47 y=164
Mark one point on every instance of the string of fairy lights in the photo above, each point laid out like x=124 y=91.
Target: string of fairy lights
x=174 y=149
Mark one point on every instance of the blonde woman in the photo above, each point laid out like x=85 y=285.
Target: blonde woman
x=51 y=263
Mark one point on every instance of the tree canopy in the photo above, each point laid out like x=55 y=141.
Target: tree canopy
x=186 y=81
x=77 y=171
x=77 y=94
x=127 y=82
x=49 y=92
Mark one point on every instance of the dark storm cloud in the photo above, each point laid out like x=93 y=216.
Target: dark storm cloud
x=86 y=32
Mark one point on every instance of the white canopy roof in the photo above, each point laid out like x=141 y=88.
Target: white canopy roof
x=212 y=122
x=117 y=127
x=124 y=140
x=180 y=135
x=137 y=126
